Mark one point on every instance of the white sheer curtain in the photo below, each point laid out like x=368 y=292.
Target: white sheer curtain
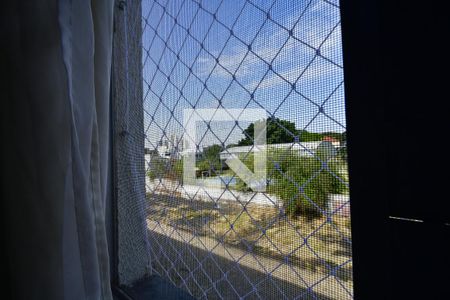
x=56 y=147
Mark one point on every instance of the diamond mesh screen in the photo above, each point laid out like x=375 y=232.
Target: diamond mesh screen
x=236 y=66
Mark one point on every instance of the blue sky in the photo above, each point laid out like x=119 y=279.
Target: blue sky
x=299 y=44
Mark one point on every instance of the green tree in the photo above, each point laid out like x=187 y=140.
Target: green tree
x=283 y=131
x=230 y=145
x=160 y=168
x=306 y=136
x=278 y=131
x=210 y=160
x=301 y=183
x=212 y=151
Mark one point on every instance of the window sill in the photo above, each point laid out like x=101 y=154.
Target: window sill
x=153 y=287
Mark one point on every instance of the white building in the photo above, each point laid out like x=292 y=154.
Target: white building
x=303 y=149
x=169 y=148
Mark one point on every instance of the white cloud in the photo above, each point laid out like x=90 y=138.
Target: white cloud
x=266 y=49
x=314 y=72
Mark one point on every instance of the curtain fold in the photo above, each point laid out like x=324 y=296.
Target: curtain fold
x=56 y=158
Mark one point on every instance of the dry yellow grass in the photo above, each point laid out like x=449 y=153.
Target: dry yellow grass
x=315 y=244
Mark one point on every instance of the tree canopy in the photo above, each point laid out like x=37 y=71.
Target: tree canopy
x=210 y=160
x=212 y=151
x=275 y=132
x=283 y=131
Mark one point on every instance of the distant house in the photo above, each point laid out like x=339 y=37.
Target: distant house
x=331 y=139
x=167 y=148
x=307 y=149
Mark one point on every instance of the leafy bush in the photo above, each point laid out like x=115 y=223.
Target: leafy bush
x=301 y=183
x=165 y=168
x=248 y=160
x=157 y=167
x=210 y=160
x=177 y=170
x=212 y=166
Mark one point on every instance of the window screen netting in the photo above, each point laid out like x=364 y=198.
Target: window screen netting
x=227 y=68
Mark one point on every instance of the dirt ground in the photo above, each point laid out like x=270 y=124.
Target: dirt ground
x=233 y=251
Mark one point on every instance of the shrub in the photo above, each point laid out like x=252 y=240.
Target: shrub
x=212 y=166
x=301 y=183
x=176 y=170
x=210 y=160
x=165 y=168
x=248 y=160
x=303 y=187
x=157 y=167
